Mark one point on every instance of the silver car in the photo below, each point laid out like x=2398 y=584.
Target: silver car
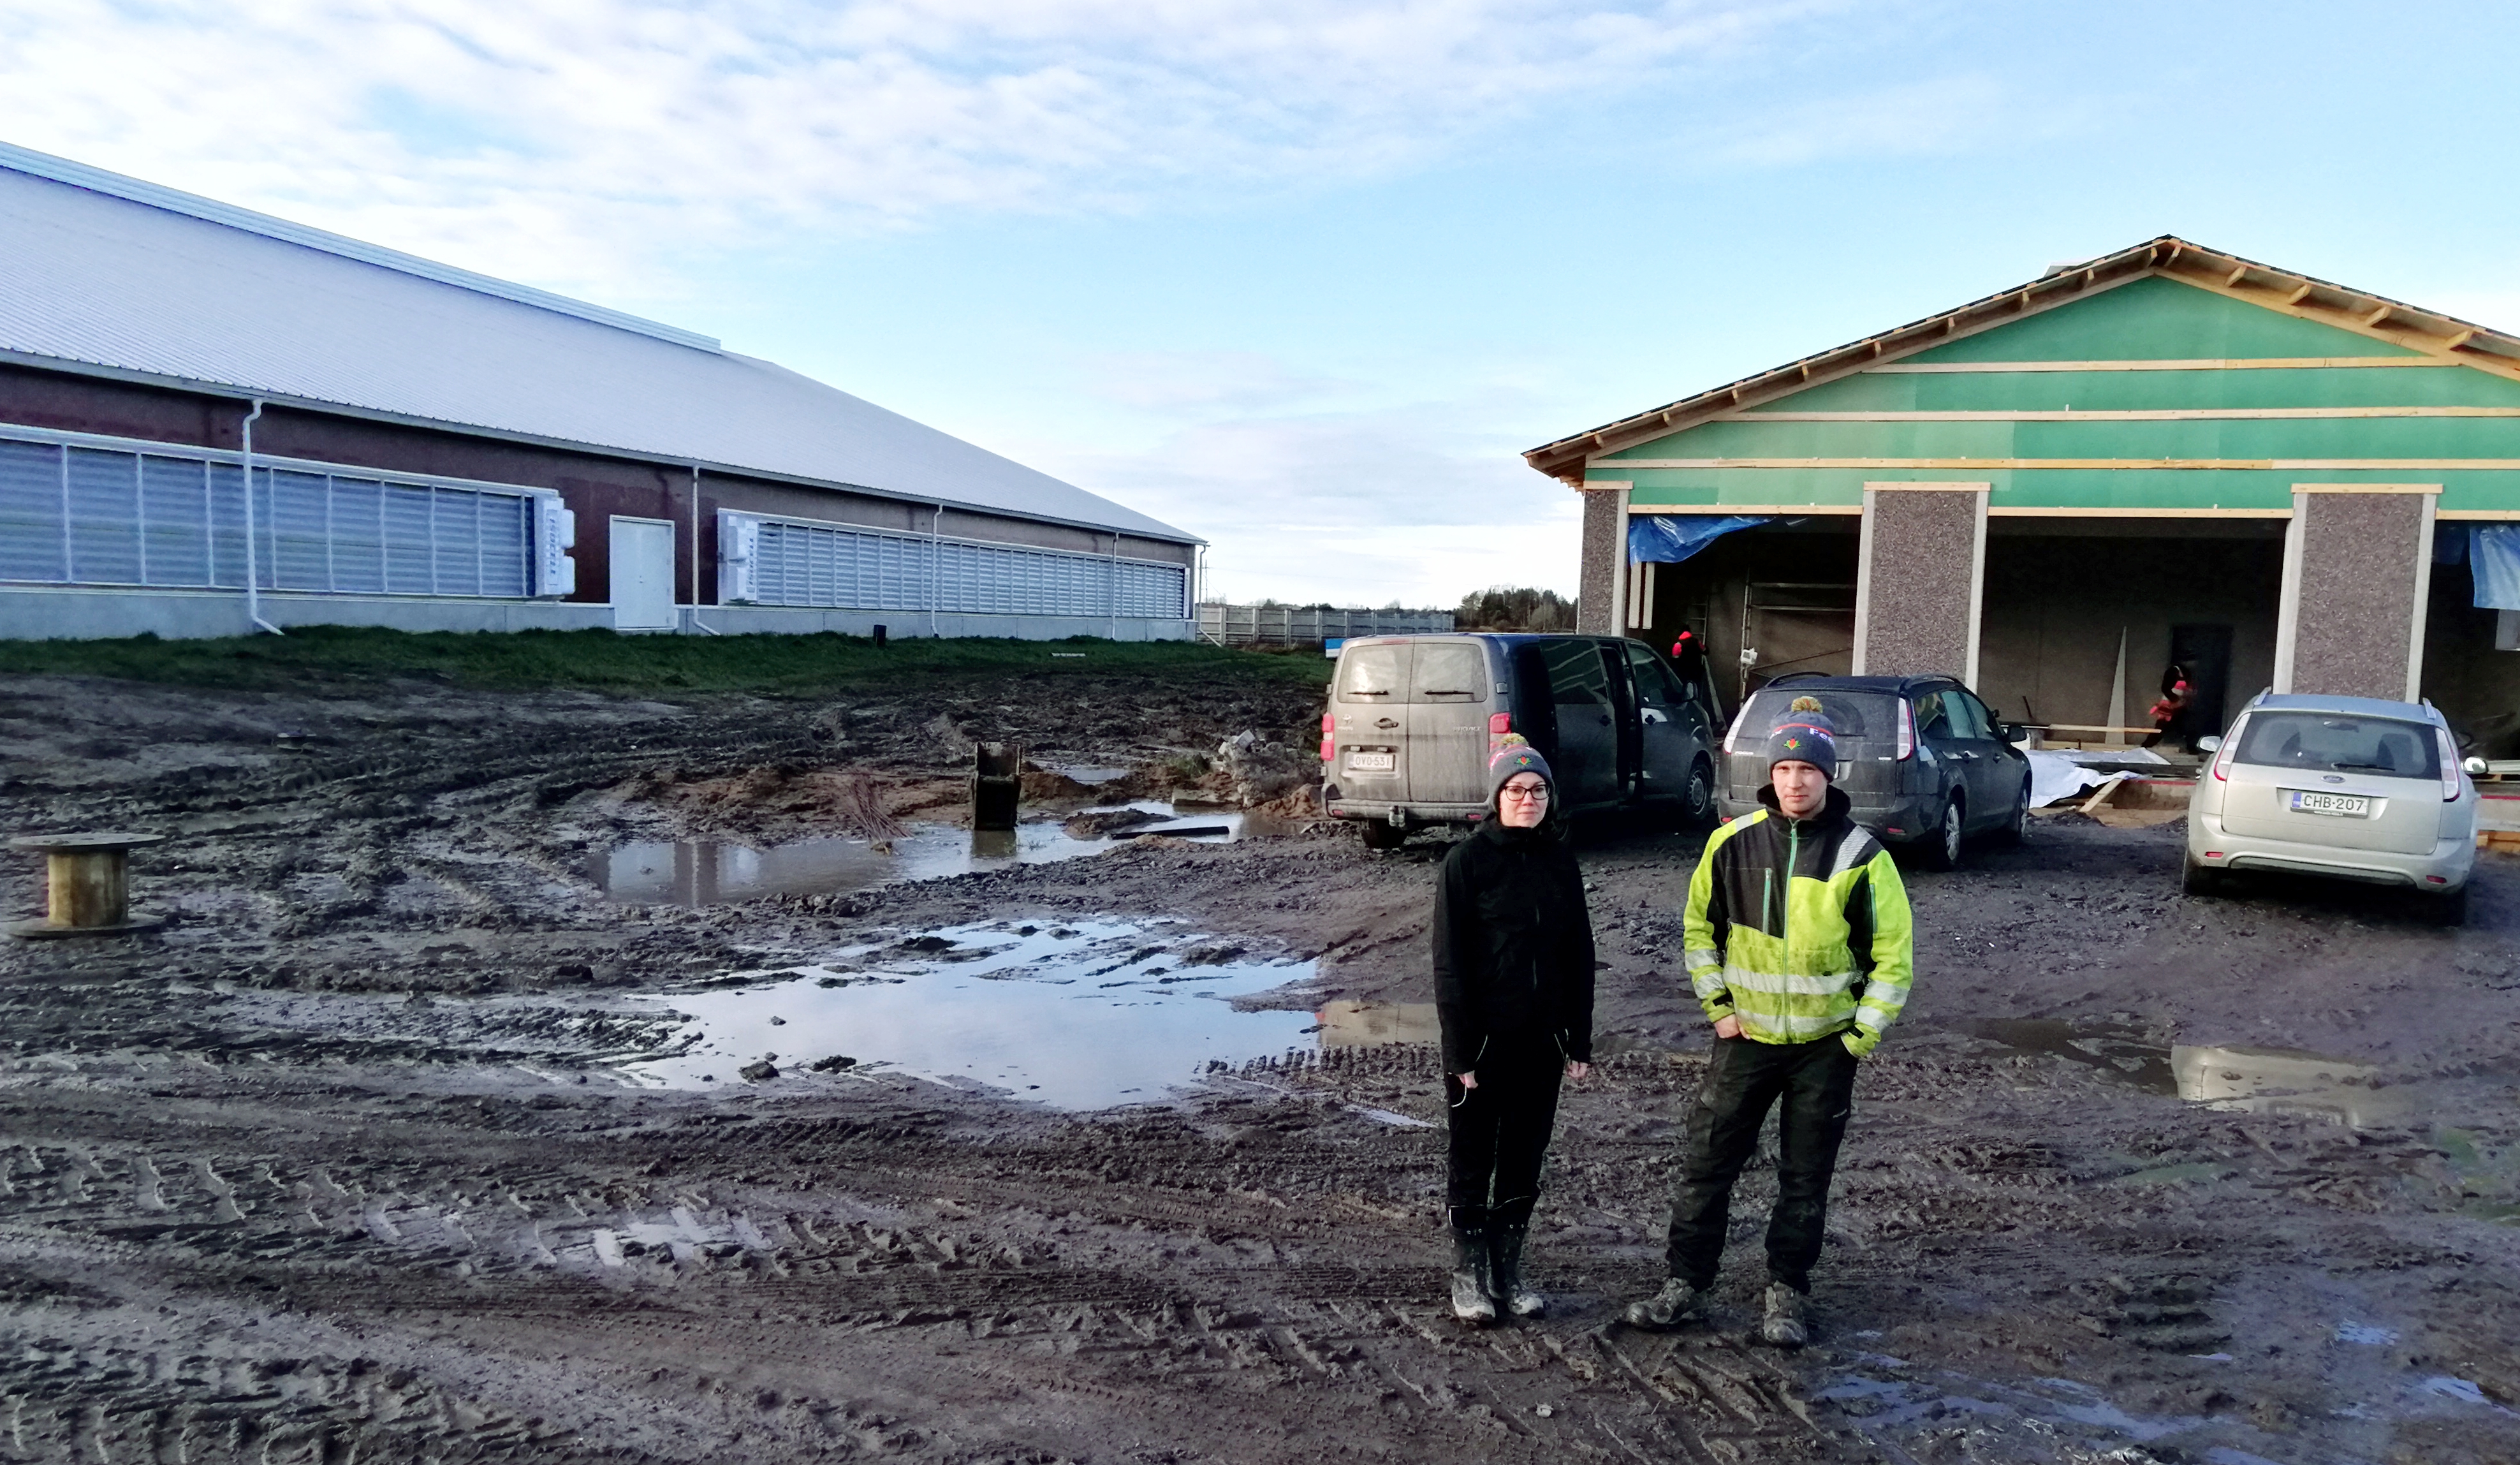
x=2351 y=788
x=1414 y=719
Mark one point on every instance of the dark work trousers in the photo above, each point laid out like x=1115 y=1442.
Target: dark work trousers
x=1499 y=1133
x=1817 y=1083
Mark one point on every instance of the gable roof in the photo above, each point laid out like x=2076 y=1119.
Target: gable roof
x=2400 y=325
x=116 y=277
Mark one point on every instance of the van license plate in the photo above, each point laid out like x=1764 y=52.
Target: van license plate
x=2345 y=805
x=1372 y=762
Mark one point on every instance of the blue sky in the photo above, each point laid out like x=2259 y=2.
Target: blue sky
x=1304 y=278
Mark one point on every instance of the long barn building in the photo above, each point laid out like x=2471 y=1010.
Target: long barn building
x=2166 y=455
x=435 y=449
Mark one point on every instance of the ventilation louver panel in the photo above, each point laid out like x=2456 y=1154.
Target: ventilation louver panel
x=87 y=516
x=837 y=568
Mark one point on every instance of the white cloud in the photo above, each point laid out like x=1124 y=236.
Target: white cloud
x=571 y=139
x=1422 y=503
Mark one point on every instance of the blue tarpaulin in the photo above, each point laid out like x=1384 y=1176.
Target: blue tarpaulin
x=2493 y=554
x=1669 y=538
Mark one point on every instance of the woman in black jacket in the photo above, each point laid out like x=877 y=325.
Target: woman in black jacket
x=1513 y=989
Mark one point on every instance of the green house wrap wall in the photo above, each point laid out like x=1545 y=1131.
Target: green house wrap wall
x=2217 y=437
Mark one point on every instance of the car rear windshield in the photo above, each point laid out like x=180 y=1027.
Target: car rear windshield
x=2333 y=743
x=1864 y=724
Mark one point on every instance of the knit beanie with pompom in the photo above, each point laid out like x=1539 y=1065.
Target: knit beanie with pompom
x=1805 y=736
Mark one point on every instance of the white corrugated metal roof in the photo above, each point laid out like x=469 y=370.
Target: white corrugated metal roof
x=111 y=273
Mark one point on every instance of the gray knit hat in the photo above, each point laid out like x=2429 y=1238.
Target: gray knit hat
x=1805 y=736
x=1517 y=757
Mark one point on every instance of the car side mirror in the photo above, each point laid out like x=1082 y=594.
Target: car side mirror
x=2475 y=768
x=2209 y=745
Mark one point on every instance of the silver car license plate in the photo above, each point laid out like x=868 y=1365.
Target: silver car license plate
x=2342 y=806
x=1359 y=762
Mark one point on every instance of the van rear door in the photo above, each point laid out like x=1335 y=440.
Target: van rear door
x=1670 y=725
x=1448 y=721
x=1586 y=756
x=1372 y=704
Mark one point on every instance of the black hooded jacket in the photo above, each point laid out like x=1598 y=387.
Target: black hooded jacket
x=1513 y=948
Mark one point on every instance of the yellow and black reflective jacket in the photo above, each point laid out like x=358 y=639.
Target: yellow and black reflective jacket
x=1800 y=928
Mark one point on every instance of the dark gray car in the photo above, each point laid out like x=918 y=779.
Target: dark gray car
x=1924 y=762
x=1413 y=720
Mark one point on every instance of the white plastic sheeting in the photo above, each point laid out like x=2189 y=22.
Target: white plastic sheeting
x=2058 y=773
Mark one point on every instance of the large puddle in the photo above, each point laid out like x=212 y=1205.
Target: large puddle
x=2232 y=1079
x=708 y=872
x=1080 y=1016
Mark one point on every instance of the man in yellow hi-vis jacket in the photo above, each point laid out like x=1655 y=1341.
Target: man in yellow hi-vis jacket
x=1801 y=951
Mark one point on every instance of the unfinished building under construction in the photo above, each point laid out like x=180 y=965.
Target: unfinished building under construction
x=2164 y=455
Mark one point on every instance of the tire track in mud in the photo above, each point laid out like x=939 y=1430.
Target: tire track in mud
x=404 y=1250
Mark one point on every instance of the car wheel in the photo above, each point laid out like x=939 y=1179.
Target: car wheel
x=2200 y=879
x=1698 y=802
x=2450 y=909
x=1382 y=836
x=2016 y=829
x=1943 y=847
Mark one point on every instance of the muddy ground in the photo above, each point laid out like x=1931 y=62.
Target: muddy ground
x=337 y=1166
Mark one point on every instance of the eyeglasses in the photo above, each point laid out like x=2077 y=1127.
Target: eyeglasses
x=1537 y=794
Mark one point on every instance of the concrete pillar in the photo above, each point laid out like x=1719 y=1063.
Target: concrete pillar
x=1598 y=598
x=1920 y=579
x=2357 y=570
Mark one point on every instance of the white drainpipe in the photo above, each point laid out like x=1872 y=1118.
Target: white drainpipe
x=697 y=623
x=935 y=565
x=252 y=573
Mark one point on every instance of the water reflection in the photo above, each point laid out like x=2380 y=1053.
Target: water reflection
x=2280 y=1080
x=1360 y=1025
x=708 y=872
x=1080 y=1017
x=2348 y=1091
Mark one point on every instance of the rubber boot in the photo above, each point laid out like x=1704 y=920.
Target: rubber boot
x=1782 y=1323
x=1675 y=1304
x=1512 y=1294
x=1472 y=1283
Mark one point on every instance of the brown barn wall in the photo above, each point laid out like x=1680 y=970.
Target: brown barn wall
x=596 y=487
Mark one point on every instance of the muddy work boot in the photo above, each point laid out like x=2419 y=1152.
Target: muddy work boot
x=1473 y=1279
x=1677 y=1303
x=1782 y=1322
x=1516 y=1297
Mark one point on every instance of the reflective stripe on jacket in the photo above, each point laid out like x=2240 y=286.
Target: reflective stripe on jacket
x=1800 y=928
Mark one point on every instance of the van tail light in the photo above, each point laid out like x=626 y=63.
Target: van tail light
x=1329 y=741
x=2450 y=774
x=1907 y=728
x=1499 y=725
